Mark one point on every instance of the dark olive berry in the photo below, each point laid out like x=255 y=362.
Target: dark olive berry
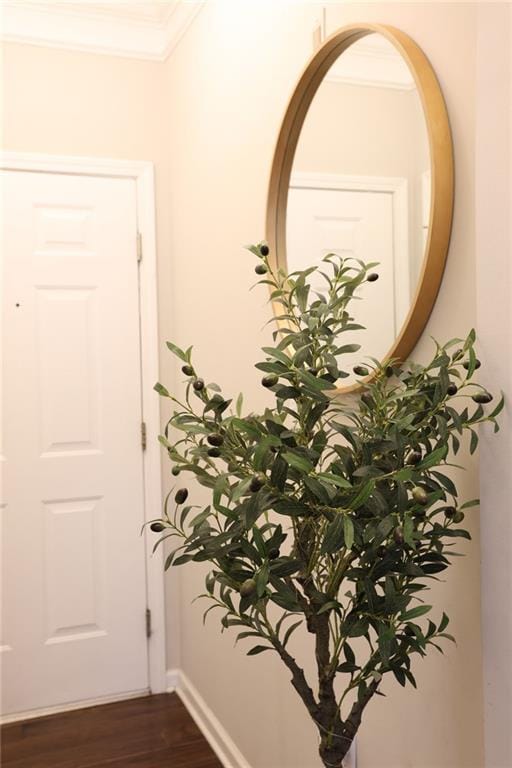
x=215 y=439
x=157 y=527
x=482 y=397
x=257 y=482
x=264 y=250
x=450 y=512
x=273 y=553
x=452 y=389
x=372 y=277
x=198 y=385
x=414 y=457
x=361 y=370
x=398 y=535
x=260 y=269
x=175 y=471
x=214 y=452
x=188 y=370
x=419 y=495
x=270 y=380
x=381 y=551
x=248 y=588
x=458 y=516
x=465 y=364
x=389 y=371
x=367 y=400
x=409 y=631
x=313 y=371
x=181 y=496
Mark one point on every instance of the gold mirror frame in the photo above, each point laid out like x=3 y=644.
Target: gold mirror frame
x=441 y=167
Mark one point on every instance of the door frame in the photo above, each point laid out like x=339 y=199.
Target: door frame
x=143 y=174
x=397 y=187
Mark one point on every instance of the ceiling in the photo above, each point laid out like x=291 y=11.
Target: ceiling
x=148 y=30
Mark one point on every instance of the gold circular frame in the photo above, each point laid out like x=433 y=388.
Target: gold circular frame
x=441 y=166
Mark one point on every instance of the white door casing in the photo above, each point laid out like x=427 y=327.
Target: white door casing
x=75 y=484
x=362 y=218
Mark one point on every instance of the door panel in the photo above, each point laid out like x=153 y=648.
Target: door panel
x=356 y=224
x=74 y=591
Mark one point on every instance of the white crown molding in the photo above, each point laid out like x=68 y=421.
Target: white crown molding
x=82 y=27
x=375 y=63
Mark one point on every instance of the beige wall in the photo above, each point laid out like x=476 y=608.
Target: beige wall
x=208 y=118
x=229 y=83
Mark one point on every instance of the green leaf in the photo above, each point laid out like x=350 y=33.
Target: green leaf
x=161 y=390
x=433 y=458
x=348 y=531
x=420 y=610
x=334 y=535
x=298 y=462
x=291 y=508
x=363 y=495
x=444 y=623
x=339 y=482
x=177 y=351
x=259 y=649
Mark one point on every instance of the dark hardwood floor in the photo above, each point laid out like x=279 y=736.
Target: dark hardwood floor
x=148 y=732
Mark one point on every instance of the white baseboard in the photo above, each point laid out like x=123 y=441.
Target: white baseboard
x=213 y=731
x=71 y=706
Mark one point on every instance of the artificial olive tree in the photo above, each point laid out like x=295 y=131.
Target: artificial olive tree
x=327 y=511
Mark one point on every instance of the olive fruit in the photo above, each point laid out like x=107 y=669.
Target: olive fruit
x=313 y=371
x=257 y=482
x=458 y=516
x=270 y=380
x=398 y=534
x=215 y=439
x=260 y=269
x=273 y=553
x=180 y=496
x=414 y=457
x=264 y=250
x=187 y=370
x=381 y=551
x=198 y=385
x=389 y=371
x=482 y=397
x=361 y=370
x=214 y=452
x=465 y=364
x=419 y=495
x=372 y=277
x=248 y=588
x=450 y=512
x=409 y=631
x=157 y=527
x=175 y=471
x=367 y=400
x=452 y=389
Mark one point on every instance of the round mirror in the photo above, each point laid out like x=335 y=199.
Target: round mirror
x=363 y=168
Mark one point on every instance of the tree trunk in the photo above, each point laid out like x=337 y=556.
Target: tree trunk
x=334 y=750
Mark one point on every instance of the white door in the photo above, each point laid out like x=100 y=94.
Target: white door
x=73 y=563
x=349 y=223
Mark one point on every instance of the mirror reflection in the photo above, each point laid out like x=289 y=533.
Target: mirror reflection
x=360 y=184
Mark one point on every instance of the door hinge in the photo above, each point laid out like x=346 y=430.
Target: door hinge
x=148 y=622
x=139 y=247
x=143 y=435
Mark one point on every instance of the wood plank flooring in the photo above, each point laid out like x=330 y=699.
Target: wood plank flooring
x=148 y=732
